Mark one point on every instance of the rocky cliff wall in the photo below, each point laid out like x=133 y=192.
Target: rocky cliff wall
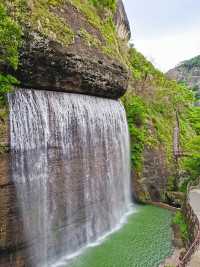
x=151 y=183
x=72 y=46
x=68 y=48
x=121 y=22
x=188 y=72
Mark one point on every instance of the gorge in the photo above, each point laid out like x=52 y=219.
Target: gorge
x=86 y=126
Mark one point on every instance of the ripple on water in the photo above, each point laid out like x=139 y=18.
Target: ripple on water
x=145 y=241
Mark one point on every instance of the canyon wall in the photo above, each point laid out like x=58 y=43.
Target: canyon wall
x=66 y=49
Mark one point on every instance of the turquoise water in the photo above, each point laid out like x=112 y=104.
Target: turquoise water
x=145 y=241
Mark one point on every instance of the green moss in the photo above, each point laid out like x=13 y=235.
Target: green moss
x=51 y=25
x=4 y=149
x=41 y=16
x=89 y=38
x=111 y=45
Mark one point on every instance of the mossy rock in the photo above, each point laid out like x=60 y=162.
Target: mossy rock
x=67 y=46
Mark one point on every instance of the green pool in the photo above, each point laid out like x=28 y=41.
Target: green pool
x=145 y=241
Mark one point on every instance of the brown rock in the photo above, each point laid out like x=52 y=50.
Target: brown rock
x=151 y=183
x=46 y=65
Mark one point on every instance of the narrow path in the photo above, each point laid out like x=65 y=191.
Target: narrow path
x=194 y=197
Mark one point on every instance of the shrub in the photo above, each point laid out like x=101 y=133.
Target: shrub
x=136 y=115
x=180 y=221
x=111 y=4
x=10 y=41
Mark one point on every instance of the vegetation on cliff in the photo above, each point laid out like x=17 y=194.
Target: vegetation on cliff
x=48 y=18
x=111 y=4
x=10 y=40
x=152 y=103
x=188 y=72
x=193 y=62
x=179 y=220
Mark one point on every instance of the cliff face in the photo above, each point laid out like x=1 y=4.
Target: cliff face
x=189 y=73
x=121 y=21
x=66 y=47
x=69 y=47
x=151 y=103
x=75 y=47
x=151 y=183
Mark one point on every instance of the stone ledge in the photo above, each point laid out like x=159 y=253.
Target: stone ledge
x=58 y=70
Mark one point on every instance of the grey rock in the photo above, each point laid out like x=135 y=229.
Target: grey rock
x=121 y=21
x=46 y=65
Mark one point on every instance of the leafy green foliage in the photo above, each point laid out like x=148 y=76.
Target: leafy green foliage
x=180 y=221
x=194 y=119
x=171 y=183
x=152 y=104
x=10 y=41
x=6 y=82
x=110 y=4
x=140 y=66
x=136 y=115
x=190 y=139
x=192 y=161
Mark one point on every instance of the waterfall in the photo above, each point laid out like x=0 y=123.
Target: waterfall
x=70 y=166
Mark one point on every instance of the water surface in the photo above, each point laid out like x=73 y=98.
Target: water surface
x=145 y=241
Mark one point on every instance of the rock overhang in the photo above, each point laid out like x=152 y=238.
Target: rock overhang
x=88 y=63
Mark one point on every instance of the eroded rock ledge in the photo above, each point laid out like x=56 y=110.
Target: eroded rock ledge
x=72 y=47
x=46 y=65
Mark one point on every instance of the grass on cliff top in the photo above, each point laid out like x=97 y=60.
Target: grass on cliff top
x=95 y=15
x=144 y=241
x=41 y=16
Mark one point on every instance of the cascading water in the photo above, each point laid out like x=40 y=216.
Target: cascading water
x=70 y=165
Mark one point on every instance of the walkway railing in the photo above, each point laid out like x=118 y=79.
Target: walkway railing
x=187 y=257
x=194 y=225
